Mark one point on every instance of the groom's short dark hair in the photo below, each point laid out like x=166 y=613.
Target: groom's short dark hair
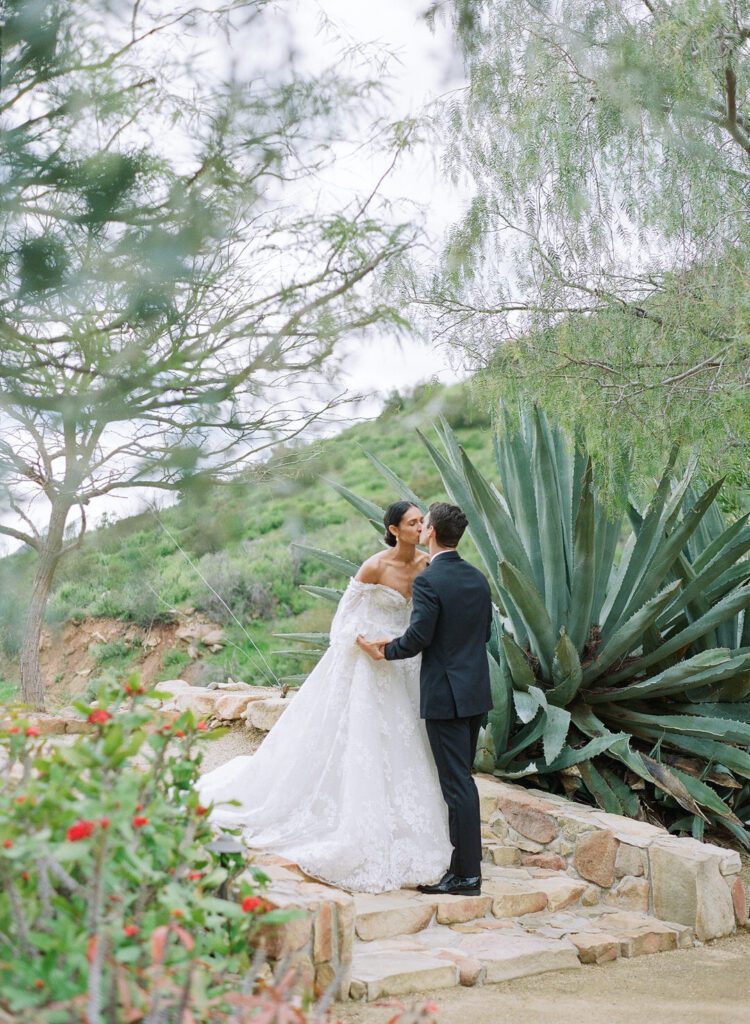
x=449 y=523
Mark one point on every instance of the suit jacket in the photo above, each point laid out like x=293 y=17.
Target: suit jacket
x=450 y=626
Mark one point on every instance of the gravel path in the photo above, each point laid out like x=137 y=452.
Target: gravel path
x=706 y=985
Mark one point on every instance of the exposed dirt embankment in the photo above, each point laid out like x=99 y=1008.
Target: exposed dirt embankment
x=75 y=652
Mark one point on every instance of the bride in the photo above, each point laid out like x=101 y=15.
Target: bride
x=345 y=784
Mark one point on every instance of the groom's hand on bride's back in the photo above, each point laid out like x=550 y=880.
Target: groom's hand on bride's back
x=372 y=647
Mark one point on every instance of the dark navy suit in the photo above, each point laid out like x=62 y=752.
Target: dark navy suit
x=450 y=626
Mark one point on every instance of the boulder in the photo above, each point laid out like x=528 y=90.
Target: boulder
x=595 y=856
x=689 y=888
x=263 y=714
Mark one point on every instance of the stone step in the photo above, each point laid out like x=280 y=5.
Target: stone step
x=404 y=912
x=506 y=892
x=491 y=949
x=400 y=966
x=385 y=968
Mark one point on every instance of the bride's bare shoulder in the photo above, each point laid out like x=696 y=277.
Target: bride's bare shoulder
x=371 y=570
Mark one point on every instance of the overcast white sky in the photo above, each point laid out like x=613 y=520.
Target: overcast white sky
x=426 y=65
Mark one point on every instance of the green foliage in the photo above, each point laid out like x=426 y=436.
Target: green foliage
x=110 y=897
x=601 y=267
x=616 y=666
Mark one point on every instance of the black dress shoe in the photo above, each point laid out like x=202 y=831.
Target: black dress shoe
x=454 y=885
x=437 y=886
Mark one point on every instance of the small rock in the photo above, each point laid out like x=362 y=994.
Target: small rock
x=630 y=893
x=591 y=896
x=551 y=861
x=596 y=947
x=263 y=714
x=531 y=817
x=739 y=901
x=213 y=637
x=629 y=861
x=595 y=856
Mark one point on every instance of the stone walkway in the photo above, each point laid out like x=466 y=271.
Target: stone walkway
x=614 y=888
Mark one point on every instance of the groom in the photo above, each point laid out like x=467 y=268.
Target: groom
x=450 y=626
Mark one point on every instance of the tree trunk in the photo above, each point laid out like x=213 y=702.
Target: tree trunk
x=32 y=687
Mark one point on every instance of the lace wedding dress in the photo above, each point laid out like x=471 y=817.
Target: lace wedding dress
x=344 y=784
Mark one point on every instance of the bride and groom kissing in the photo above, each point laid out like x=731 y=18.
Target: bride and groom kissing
x=365 y=781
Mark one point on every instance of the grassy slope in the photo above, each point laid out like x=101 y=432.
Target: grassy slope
x=239 y=539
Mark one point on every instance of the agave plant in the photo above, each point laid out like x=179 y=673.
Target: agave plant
x=625 y=682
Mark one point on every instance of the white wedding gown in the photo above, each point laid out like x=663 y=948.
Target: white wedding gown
x=344 y=784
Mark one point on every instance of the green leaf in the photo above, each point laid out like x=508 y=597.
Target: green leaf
x=600 y=789
x=535 y=618
x=629 y=634
x=668 y=551
x=643 y=542
x=500 y=527
x=399 y=486
x=566 y=672
x=706 y=667
x=305 y=638
x=372 y=512
x=327 y=593
x=725 y=609
x=686 y=725
x=342 y=565
x=499 y=718
x=520 y=670
x=556 y=593
x=584 y=564
x=555 y=731
x=574 y=755
x=458 y=490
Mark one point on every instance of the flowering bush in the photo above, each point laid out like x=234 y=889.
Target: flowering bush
x=111 y=906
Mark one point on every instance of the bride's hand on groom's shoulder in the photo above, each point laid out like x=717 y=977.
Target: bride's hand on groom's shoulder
x=375 y=648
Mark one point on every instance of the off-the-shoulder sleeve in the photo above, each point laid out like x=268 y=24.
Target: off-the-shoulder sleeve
x=349 y=616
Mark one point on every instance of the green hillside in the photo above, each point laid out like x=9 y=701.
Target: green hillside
x=239 y=538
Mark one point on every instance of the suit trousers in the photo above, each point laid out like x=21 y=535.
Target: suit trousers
x=454 y=744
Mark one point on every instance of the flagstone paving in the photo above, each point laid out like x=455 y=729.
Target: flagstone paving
x=582 y=887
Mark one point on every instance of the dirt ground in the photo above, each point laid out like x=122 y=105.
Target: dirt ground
x=706 y=985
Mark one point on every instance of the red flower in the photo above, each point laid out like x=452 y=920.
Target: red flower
x=194 y=876
x=80 y=830
x=20 y=799
x=179 y=733
x=139 y=807
x=200 y=810
x=131 y=689
x=139 y=822
x=14 y=728
x=7 y=843
x=32 y=730
x=130 y=930
x=176 y=912
x=25 y=876
x=252 y=903
x=38 y=983
x=99 y=716
x=202 y=726
x=104 y=823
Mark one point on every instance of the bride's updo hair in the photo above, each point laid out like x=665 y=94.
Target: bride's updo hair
x=393 y=516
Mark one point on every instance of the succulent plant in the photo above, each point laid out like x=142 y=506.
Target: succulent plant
x=623 y=681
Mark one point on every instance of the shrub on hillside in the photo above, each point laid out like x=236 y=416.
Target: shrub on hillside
x=233 y=580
